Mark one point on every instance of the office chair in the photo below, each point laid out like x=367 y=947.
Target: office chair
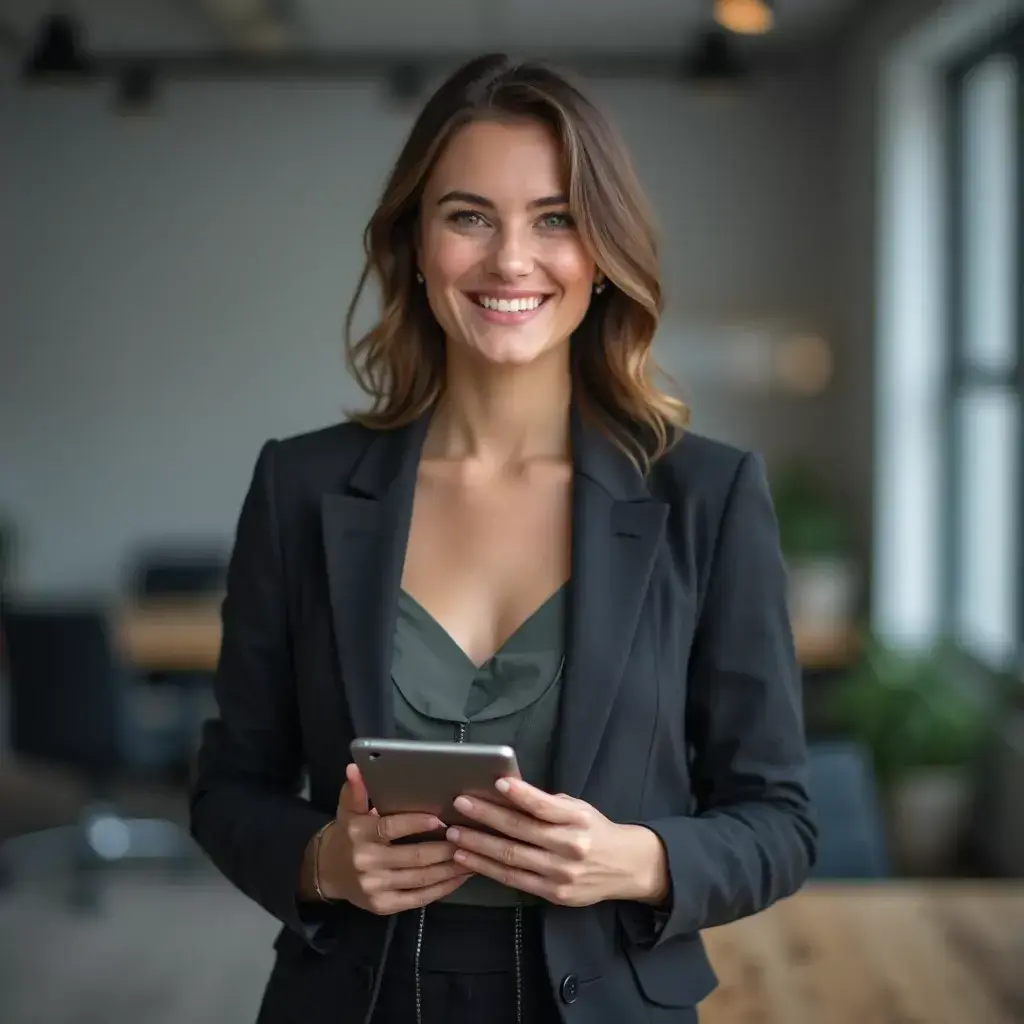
x=72 y=706
x=182 y=572
x=173 y=572
x=851 y=840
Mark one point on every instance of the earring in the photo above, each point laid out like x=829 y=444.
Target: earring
x=599 y=287
x=419 y=277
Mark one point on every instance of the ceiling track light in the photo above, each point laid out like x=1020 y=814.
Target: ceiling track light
x=136 y=90
x=745 y=17
x=58 y=53
x=715 y=61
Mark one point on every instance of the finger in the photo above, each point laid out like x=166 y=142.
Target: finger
x=397 y=826
x=513 y=878
x=510 y=822
x=397 y=900
x=353 y=798
x=415 y=855
x=511 y=854
x=415 y=878
x=559 y=810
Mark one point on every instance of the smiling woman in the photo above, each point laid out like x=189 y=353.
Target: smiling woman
x=516 y=546
x=510 y=169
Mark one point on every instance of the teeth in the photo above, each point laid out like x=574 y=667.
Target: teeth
x=510 y=305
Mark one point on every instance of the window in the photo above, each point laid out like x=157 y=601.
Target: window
x=983 y=531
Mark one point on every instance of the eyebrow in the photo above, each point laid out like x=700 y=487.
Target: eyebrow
x=457 y=196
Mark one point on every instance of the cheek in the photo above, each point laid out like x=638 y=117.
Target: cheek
x=574 y=271
x=449 y=257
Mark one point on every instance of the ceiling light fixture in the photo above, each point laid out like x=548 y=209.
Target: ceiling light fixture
x=715 y=63
x=745 y=17
x=136 y=90
x=58 y=53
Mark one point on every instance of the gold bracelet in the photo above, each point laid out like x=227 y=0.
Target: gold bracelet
x=316 y=861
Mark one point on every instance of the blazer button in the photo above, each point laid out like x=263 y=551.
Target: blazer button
x=570 y=988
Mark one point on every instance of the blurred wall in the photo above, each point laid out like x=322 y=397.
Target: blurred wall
x=173 y=287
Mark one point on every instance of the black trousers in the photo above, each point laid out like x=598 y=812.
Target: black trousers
x=467 y=969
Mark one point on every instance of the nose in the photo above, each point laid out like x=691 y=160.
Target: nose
x=512 y=256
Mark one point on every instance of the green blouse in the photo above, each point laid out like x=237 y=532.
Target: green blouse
x=439 y=694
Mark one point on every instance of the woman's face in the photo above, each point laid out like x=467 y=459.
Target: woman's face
x=506 y=273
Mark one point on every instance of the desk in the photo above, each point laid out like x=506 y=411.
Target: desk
x=170 y=635
x=184 y=635
x=879 y=953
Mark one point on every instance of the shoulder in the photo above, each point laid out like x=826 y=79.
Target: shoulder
x=720 y=509
x=702 y=470
x=315 y=460
x=327 y=445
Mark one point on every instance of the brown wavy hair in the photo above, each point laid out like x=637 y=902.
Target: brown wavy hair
x=400 y=362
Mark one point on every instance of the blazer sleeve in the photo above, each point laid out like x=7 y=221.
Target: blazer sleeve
x=246 y=811
x=753 y=838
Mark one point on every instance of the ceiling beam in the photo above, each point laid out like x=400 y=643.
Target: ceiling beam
x=362 y=64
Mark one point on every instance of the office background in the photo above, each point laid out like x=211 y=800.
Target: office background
x=181 y=208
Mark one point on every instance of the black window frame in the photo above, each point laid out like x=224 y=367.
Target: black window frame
x=961 y=377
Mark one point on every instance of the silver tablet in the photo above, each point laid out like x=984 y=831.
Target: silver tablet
x=417 y=775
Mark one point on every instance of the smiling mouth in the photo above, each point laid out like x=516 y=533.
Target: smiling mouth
x=523 y=304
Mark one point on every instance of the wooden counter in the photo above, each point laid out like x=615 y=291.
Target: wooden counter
x=879 y=953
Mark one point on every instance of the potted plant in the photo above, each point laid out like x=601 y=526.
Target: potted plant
x=815 y=542
x=924 y=728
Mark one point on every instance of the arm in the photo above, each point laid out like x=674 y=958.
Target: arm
x=245 y=809
x=753 y=838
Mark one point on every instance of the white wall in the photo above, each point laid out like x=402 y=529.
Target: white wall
x=172 y=289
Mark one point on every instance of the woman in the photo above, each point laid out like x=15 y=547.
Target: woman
x=515 y=545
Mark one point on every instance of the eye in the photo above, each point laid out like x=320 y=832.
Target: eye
x=557 y=221
x=466 y=219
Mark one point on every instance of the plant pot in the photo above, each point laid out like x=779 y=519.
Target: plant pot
x=822 y=592
x=928 y=811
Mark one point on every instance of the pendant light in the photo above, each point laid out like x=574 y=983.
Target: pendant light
x=745 y=17
x=58 y=53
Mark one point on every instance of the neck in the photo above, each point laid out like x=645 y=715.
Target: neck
x=503 y=416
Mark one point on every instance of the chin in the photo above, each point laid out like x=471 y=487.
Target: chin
x=511 y=351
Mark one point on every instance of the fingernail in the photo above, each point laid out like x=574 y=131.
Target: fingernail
x=438 y=823
x=452 y=835
x=463 y=803
x=503 y=785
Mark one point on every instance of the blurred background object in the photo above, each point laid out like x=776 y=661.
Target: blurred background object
x=183 y=188
x=73 y=707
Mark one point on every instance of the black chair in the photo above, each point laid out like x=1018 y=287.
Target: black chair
x=72 y=706
x=179 y=572
x=175 y=572
x=851 y=842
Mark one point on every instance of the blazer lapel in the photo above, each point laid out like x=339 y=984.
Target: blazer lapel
x=365 y=533
x=617 y=528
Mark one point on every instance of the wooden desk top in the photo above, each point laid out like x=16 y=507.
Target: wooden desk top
x=170 y=635
x=880 y=953
x=184 y=635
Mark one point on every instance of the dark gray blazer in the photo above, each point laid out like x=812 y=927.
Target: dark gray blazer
x=681 y=708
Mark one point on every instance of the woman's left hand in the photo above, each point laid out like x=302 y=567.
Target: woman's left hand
x=560 y=848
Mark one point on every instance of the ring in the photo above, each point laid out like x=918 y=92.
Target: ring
x=380 y=821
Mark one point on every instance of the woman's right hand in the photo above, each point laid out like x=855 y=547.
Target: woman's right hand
x=357 y=862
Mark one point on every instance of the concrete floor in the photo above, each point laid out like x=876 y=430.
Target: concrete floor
x=164 y=950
